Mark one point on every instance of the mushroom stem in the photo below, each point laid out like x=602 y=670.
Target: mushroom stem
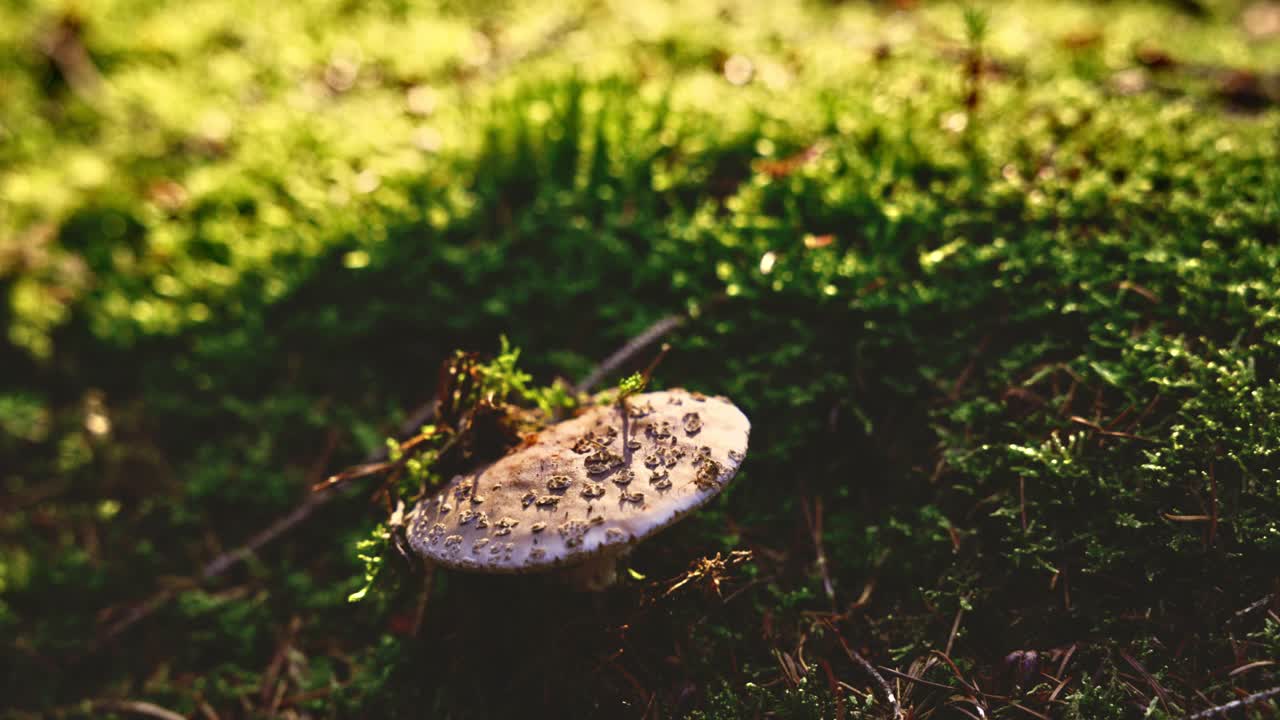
x=594 y=574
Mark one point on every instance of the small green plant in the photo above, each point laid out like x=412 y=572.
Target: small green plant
x=976 y=22
x=372 y=551
x=502 y=376
x=483 y=399
x=631 y=385
x=636 y=382
x=1097 y=701
x=501 y=380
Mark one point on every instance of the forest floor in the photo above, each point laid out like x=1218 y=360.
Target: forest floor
x=998 y=288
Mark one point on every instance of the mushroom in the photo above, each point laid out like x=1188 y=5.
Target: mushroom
x=582 y=492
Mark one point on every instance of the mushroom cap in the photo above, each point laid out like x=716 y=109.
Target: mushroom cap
x=591 y=485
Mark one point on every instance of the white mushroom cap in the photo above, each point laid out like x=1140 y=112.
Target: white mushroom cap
x=590 y=486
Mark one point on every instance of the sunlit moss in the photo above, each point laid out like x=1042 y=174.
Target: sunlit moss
x=863 y=259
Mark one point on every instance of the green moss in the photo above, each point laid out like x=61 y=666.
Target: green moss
x=800 y=703
x=1021 y=344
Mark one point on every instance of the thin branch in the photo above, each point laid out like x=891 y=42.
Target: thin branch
x=834 y=686
x=1137 y=422
x=225 y=561
x=229 y=559
x=1108 y=433
x=302 y=697
x=1251 y=666
x=628 y=351
x=137 y=707
x=955 y=630
x=1029 y=711
x=1256 y=605
x=870 y=670
x=548 y=42
x=1066 y=658
x=1022 y=500
x=1244 y=702
x=351 y=473
x=207 y=710
x=268 y=689
x=814 y=521
x=916 y=680
x=969 y=369
x=1061 y=684
x=972 y=688
x=373 y=468
x=1159 y=690
x=135 y=614
x=64 y=46
x=1213 y=504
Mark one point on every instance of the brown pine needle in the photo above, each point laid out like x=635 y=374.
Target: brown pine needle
x=1108 y=433
x=870 y=670
x=351 y=473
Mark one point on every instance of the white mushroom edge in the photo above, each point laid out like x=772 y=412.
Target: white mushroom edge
x=584 y=491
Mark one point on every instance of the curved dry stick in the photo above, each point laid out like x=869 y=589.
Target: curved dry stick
x=224 y=561
x=315 y=499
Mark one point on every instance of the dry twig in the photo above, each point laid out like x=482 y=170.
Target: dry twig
x=268 y=692
x=814 y=520
x=1225 y=710
x=1155 y=686
x=870 y=670
x=1108 y=433
x=628 y=351
x=137 y=707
